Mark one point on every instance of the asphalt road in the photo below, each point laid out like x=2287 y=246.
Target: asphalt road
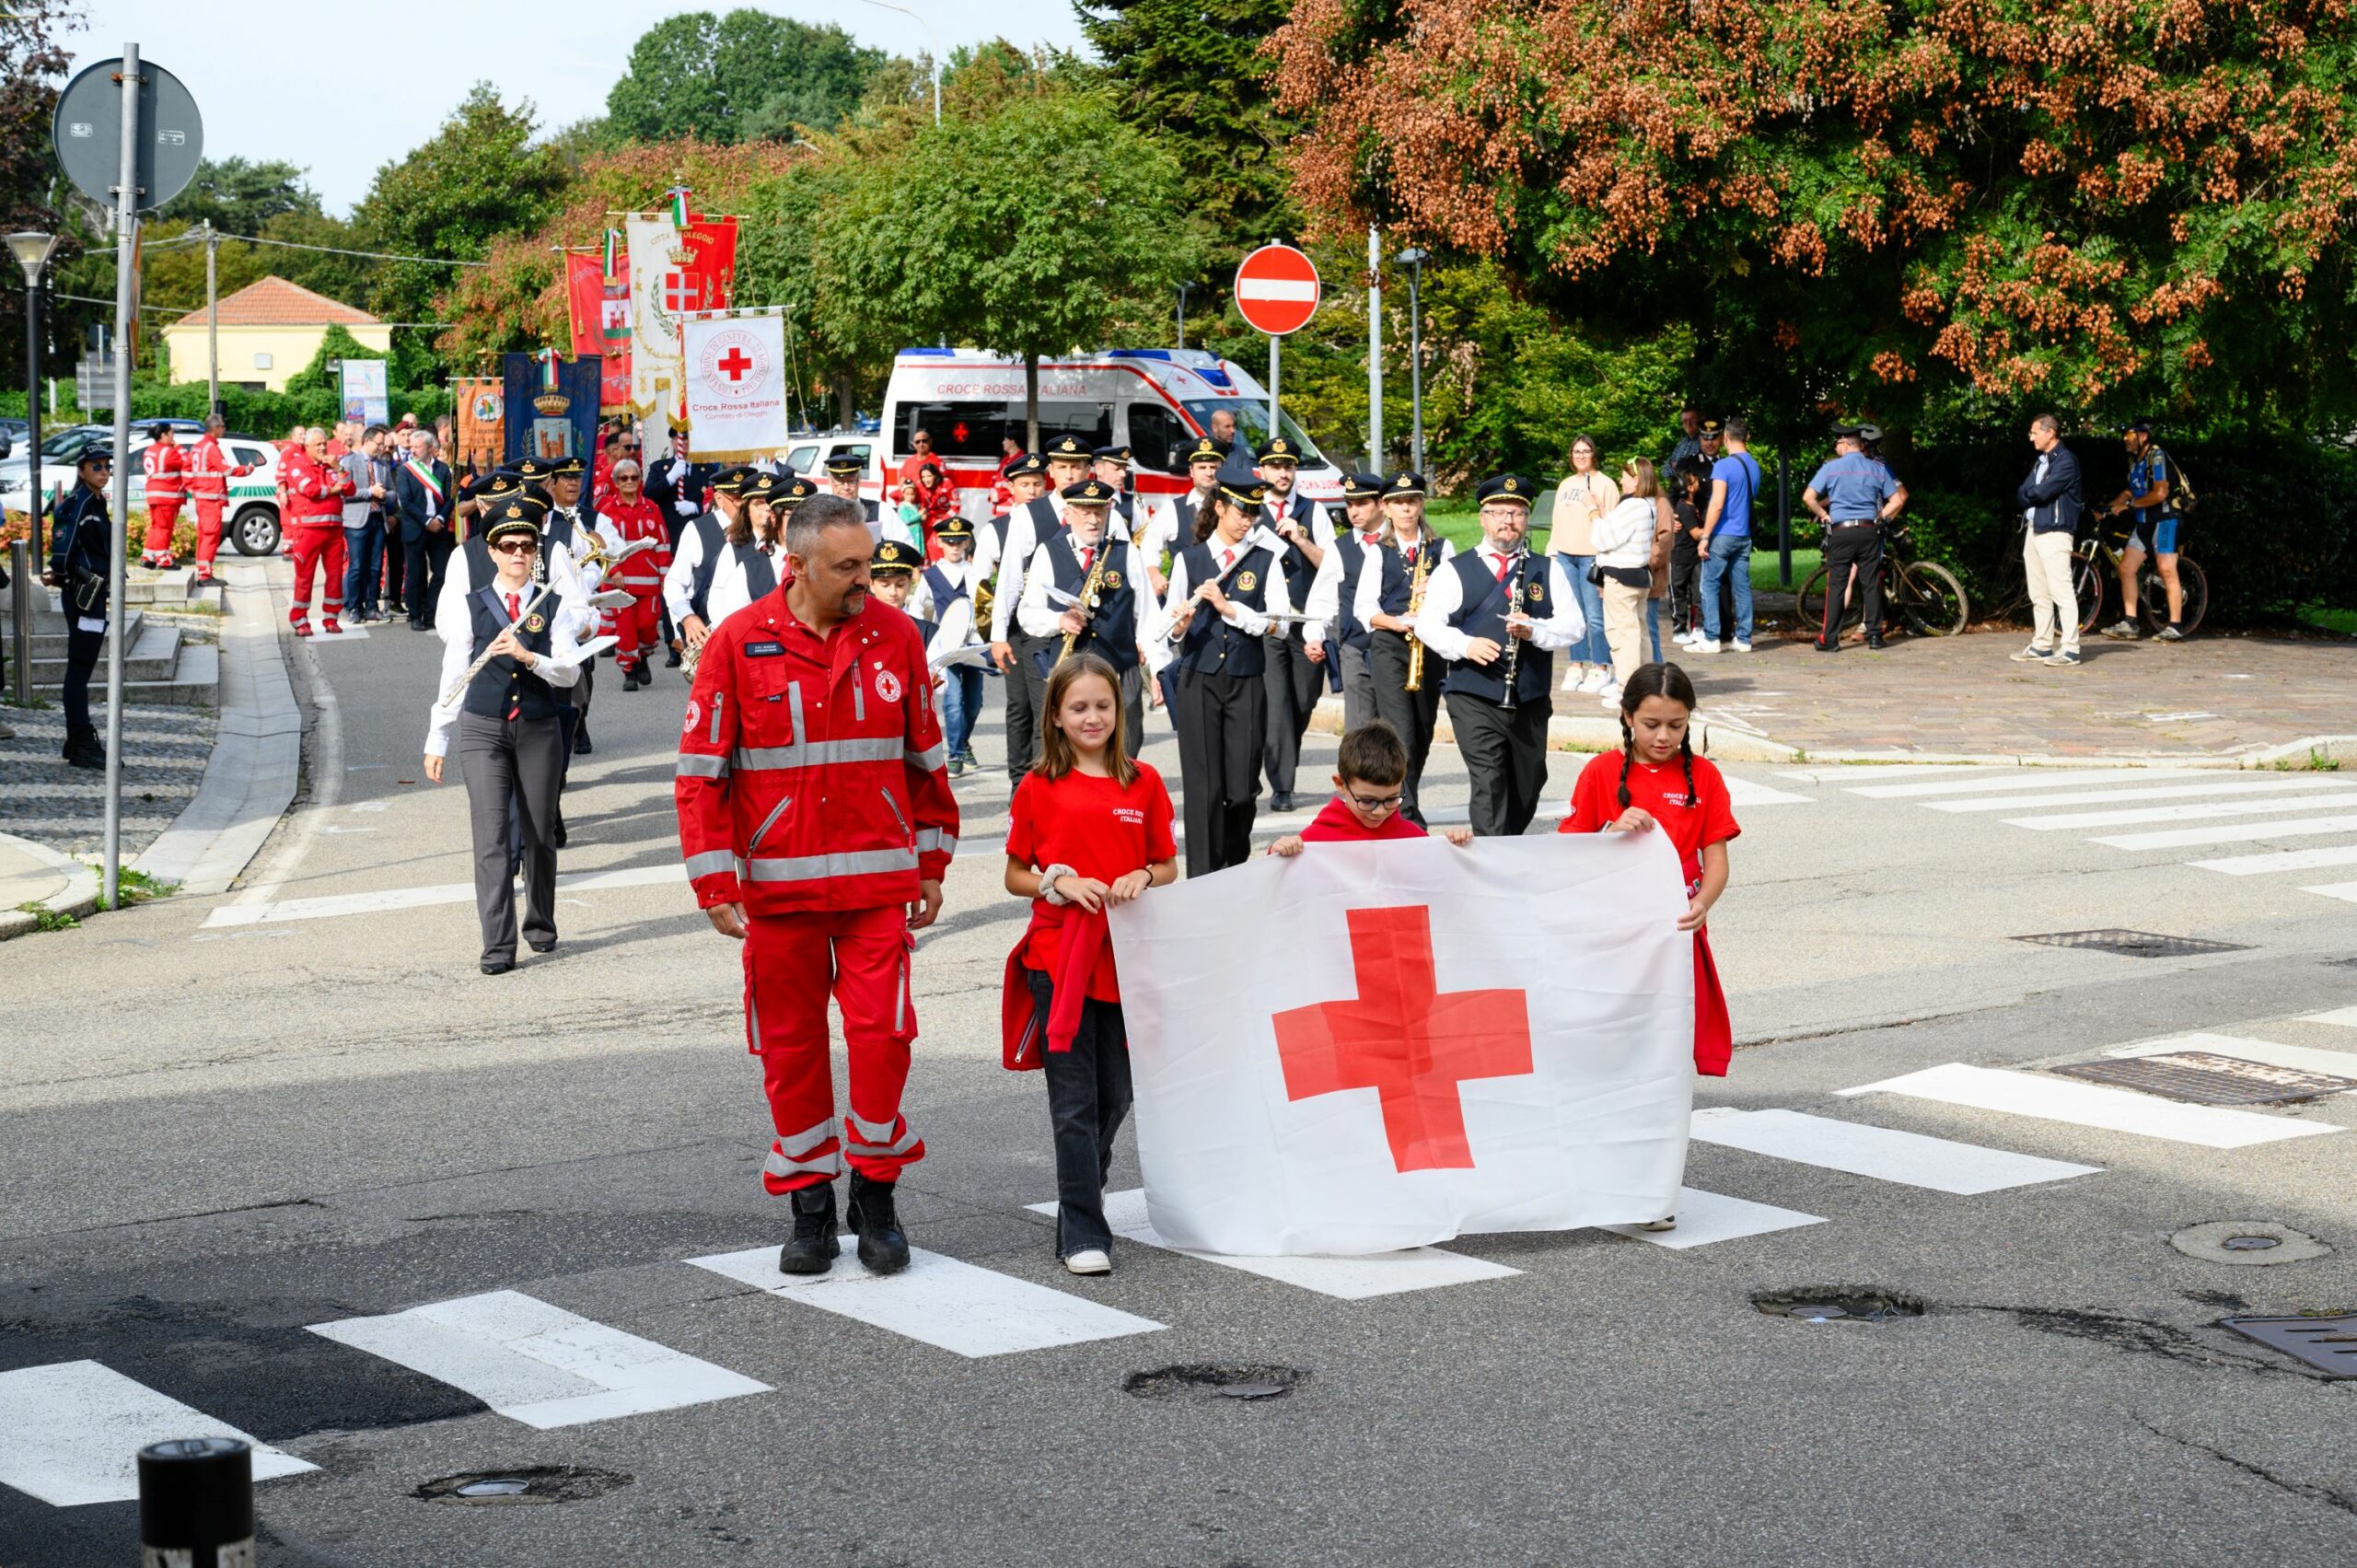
x=228 y=1120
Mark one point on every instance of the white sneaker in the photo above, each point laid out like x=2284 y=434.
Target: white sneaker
x=1612 y=699
x=1740 y=646
x=1596 y=680
x=2031 y=654
x=1705 y=646
x=1686 y=639
x=1093 y=1261
x=1571 y=679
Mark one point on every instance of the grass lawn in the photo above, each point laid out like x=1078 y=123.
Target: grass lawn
x=1459 y=523
x=2325 y=620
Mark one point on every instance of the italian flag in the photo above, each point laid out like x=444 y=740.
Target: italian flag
x=680 y=207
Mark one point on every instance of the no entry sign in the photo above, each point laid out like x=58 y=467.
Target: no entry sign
x=1276 y=290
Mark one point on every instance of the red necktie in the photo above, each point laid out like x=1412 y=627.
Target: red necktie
x=1086 y=555
x=1227 y=559
x=515 y=613
x=1504 y=561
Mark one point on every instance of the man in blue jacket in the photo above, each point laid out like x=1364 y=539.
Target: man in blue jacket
x=2050 y=505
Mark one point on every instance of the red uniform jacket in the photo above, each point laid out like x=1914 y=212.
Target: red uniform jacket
x=643 y=573
x=812 y=774
x=210 y=471
x=315 y=491
x=167 y=470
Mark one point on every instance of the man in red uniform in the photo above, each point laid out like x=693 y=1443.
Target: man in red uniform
x=316 y=486
x=626 y=515
x=209 y=473
x=816 y=817
x=166 y=466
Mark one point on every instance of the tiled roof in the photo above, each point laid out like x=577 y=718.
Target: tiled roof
x=274 y=302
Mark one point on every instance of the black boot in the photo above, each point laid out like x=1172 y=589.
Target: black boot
x=882 y=1247
x=812 y=1249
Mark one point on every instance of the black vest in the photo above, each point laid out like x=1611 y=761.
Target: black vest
x=1112 y=630
x=503 y=683
x=1400 y=575
x=556 y=533
x=760 y=572
x=1347 y=629
x=481 y=570
x=1483 y=613
x=1212 y=646
x=1299 y=572
x=944 y=592
x=713 y=535
x=1186 y=514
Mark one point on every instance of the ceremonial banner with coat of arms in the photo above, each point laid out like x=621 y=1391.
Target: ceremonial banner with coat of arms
x=736 y=386
x=599 y=302
x=673 y=271
x=552 y=406
x=1377 y=1046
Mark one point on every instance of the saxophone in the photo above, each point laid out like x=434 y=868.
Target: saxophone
x=1425 y=549
x=1086 y=603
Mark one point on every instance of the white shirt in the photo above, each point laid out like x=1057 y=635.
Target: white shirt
x=452 y=617
x=679 y=581
x=577 y=580
x=1162 y=529
x=1160 y=647
x=1443 y=596
x=731 y=591
x=1366 y=594
x=1042 y=617
x=1022 y=545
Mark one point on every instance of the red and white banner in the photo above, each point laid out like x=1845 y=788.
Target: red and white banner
x=1379 y=1046
x=736 y=386
x=599 y=302
x=673 y=271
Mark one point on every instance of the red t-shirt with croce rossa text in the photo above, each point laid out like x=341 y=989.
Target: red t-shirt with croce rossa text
x=1706 y=818
x=1101 y=830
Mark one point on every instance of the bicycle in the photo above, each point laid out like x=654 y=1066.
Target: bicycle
x=2094 y=576
x=1924 y=596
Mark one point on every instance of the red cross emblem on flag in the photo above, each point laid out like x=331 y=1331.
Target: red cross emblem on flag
x=1404 y=1039
x=735 y=363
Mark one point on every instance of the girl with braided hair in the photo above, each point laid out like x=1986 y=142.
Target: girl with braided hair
x=1655 y=781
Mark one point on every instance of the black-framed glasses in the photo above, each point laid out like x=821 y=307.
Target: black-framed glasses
x=1380 y=803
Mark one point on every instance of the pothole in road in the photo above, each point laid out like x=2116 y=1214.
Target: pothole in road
x=530 y=1484
x=1249 y=1382
x=1838 y=1304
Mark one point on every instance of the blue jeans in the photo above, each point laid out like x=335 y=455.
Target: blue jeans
x=1726 y=555
x=962 y=705
x=1591 y=648
x=1653 y=627
x=364 y=567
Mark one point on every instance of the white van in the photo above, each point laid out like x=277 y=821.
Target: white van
x=1157 y=400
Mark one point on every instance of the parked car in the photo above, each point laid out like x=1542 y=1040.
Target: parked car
x=250 y=521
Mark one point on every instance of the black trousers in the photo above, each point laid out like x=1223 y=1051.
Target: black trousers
x=1089 y=1098
x=1412 y=713
x=1022 y=716
x=1220 y=720
x=429 y=558
x=1293 y=687
x=1852 y=554
x=517 y=765
x=396 y=558
x=1685 y=588
x=83 y=651
x=1506 y=759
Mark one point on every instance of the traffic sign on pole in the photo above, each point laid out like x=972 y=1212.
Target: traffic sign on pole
x=1276 y=290
x=88 y=126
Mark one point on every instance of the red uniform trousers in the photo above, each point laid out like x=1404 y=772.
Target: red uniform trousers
x=635 y=626
x=791 y=962
x=316 y=546
x=208 y=534
x=162 y=516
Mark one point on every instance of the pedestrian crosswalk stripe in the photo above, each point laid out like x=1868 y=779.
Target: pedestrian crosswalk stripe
x=2344 y=1016
x=539 y=1364
x=2091 y=1105
x=2300 y=1058
x=1750 y=791
x=2021 y=781
x=1705 y=1217
x=2239 y=832
x=2281 y=860
x=1883 y=1153
x=1347 y=1279
x=2065 y=821
x=1850 y=772
x=2346 y=891
x=330 y=905
x=74 y=1429
x=2103 y=796
x=952 y=1306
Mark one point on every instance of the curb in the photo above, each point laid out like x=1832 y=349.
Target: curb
x=257 y=751
x=80 y=898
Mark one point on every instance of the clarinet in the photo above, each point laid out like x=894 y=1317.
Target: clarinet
x=1514 y=644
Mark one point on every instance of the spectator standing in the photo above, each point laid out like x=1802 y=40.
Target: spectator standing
x=1625 y=538
x=1689 y=445
x=2151 y=494
x=921 y=452
x=1581 y=501
x=1727 y=541
x=1852 y=496
x=426 y=501
x=368 y=471
x=1688 y=484
x=2051 y=504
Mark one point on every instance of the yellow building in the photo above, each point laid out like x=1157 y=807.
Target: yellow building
x=269 y=330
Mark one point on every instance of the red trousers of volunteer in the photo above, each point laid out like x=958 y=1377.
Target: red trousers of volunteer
x=315 y=548
x=791 y=963
x=208 y=535
x=162 y=516
x=634 y=634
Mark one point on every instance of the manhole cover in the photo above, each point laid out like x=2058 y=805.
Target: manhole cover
x=2329 y=1344
x=1838 y=1304
x=2133 y=943
x=2204 y=1077
x=2247 y=1242
x=531 y=1484
x=1249 y=1382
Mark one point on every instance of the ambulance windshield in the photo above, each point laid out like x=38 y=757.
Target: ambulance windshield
x=1252 y=423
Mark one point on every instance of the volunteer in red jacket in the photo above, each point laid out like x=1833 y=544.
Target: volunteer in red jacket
x=166 y=466
x=209 y=473
x=816 y=817
x=624 y=516
x=316 y=486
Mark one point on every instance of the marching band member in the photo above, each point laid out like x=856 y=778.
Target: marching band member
x=695 y=555
x=816 y=822
x=752 y=555
x=511 y=734
x=1080 y=595
x=892 y=572
x=944 y=598
x=1026 y=481
x=1109 y=466
x=844 y=470
x=1222 y=588
x=1294 y=681
x=1407 y=696
x=1334 y=598
x=567 y=543
x=625 y=516
x=1496 y=614
x=1011 y=647
x=1172 y=528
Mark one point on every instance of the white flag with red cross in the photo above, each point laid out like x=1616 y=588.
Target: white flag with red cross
x=735 y=367
x=1375 y=1046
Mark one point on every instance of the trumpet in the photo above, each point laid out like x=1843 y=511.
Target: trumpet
x=1425 y=551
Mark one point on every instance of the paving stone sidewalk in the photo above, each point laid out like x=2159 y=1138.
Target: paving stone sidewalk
x=165 y=750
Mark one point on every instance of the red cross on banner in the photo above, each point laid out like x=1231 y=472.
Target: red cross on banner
x=1404 y=1039
x=735 y=362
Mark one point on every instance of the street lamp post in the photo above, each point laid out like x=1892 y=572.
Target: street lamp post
x=1415 y=260
x=932 y=46
x=32 y=252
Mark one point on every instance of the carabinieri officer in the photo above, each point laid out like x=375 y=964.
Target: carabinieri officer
x=1497 y=614
x=1852 y=495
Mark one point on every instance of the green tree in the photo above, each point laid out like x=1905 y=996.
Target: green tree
x=737 y=77
x=242 y=197
x=479 y=178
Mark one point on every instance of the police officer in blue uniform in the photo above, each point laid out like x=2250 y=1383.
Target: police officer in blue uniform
x=1852 y=496
x=80 y=545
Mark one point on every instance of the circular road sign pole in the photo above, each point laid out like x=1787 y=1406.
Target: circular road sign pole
x=1276 y=293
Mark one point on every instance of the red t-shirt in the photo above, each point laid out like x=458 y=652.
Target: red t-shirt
x=1099 y=829
x=1337 y=825
x=1708 y=818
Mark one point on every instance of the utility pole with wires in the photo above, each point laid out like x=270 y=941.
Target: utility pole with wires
x=212 y=320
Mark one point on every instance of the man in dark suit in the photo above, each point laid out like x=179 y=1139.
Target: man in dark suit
x=423 y=496
x=680 y=485
x=2051 y=503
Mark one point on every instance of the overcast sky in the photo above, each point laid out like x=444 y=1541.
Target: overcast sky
x=313 y=93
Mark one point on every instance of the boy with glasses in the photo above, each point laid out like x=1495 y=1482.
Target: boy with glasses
x=1370 y=781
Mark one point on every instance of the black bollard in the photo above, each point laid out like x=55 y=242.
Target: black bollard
x=196 y=1504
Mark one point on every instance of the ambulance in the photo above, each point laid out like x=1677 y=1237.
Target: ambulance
x=1155 y=401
